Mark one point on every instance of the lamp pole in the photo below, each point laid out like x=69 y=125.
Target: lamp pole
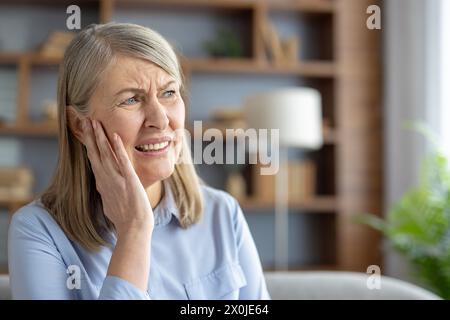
x=297 y=113
x=282 y=214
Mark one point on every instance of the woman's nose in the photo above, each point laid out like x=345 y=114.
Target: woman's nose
x=155 y=115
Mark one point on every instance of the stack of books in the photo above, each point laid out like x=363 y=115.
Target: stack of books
x=16 y=183
x=301 y=182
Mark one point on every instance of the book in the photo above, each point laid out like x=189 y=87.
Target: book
x=301 y=182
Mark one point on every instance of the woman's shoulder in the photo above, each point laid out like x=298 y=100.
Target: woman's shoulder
x=32 y=216
x=217 y=196
x=219 y=202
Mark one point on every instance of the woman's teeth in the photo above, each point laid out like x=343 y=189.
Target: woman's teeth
x=152 y=147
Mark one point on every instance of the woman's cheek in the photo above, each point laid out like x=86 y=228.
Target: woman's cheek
x=124 y=124
x=178 y=146
x=177 y=114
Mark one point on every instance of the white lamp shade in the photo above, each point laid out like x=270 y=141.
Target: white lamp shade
x=296 y=112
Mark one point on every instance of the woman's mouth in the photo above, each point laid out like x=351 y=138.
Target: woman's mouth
x=153 y=149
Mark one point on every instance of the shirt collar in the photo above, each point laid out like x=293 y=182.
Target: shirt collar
x=166 y=207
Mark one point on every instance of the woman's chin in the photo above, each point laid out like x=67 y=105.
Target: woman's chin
x=149 y=176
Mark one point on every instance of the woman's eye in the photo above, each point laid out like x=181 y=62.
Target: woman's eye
x=169 y=93
x=130 y=101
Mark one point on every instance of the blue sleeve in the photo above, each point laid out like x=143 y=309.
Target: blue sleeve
x=249 y=260
x=37 y=269
x=115 y=288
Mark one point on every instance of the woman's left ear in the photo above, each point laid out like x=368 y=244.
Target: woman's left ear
x=75 y=122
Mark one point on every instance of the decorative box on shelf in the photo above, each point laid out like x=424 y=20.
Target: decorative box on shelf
x=15 y=184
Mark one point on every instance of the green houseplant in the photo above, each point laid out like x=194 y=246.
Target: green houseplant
x=418 y=225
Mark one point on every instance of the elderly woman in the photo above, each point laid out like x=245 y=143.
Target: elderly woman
x=125 y=216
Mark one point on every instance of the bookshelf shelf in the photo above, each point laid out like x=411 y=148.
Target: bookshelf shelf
x=30 y=129
x=312 y=69
x=28 y=57
x=191 y=4
x=318 y=7
x=330 y=136
x=39 y=60
x=10 y=57
x=306 y=6
x=320 y=204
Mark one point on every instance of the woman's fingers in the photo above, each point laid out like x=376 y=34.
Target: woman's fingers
x=106 y=153
x=91 y=146
x=122 y=157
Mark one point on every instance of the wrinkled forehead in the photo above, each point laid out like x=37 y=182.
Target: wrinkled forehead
x=133 y=72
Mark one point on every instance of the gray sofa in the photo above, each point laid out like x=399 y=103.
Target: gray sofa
x=335 y=285
x=319 y=285
x=5 y=293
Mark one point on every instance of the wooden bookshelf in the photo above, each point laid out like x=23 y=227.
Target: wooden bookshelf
x=349 y=82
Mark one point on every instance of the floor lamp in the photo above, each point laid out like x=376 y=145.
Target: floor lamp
x=297 y=113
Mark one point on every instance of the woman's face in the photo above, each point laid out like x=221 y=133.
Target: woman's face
x=142 y=104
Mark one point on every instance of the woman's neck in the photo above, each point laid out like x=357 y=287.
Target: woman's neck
x=155 y=193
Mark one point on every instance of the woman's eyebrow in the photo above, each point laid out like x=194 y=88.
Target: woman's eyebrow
x=168 y=83
x=129 y=90
x=133 y=89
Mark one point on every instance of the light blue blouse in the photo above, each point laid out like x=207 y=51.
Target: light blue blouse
x=213 y=259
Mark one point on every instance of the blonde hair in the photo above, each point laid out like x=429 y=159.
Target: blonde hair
x=72 y=198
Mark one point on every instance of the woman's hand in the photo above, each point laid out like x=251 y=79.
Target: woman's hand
x=125 y=201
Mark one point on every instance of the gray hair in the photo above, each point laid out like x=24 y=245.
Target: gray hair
x=96 y=46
